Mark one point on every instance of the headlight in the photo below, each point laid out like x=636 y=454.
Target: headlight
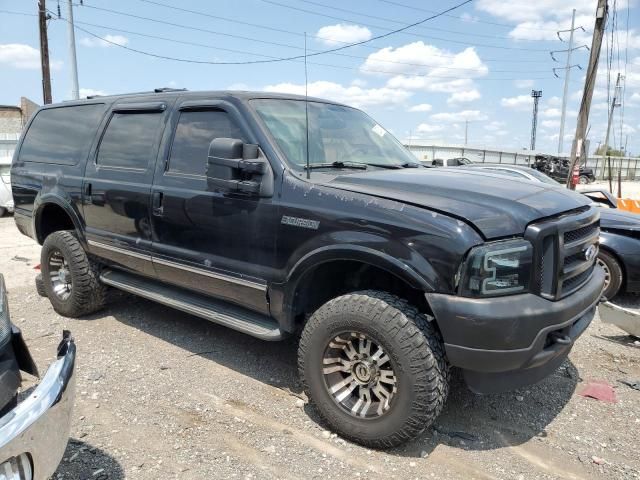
x=5 y=323
x=499 y=268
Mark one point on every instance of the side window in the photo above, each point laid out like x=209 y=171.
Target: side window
x=61 y=135
x=130 y=140
x=194 y=133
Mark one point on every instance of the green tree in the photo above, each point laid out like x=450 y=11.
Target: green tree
x=611 y=152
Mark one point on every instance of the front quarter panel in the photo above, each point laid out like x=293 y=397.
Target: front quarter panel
x=321 y=224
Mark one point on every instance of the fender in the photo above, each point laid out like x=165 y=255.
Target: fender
x=61 y=199
x=282 y=295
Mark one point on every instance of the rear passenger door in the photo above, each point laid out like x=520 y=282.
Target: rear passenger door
x=117 y=185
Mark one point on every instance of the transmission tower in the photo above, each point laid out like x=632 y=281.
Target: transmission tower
x=536 y=94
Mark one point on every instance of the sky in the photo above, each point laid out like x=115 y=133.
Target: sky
x=476 y=65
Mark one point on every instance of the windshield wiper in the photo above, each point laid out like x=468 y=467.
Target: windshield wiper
x=356 y=165
x=394 y=166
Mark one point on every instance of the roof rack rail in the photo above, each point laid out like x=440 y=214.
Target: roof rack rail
x=168 y=89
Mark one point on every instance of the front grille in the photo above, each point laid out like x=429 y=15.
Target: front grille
x=561 y=245
x=580 y=233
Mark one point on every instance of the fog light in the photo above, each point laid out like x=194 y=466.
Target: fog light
x=16 y=468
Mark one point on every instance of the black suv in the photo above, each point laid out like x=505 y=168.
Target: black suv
x=278 y=215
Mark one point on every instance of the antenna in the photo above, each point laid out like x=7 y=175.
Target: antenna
x=306 y=104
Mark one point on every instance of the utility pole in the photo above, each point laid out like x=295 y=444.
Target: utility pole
x=44 y=52
x=567 y=74
x=577 y=149
x=466 y=131
x=535 y=94
x=614 y=103
x=75 y=90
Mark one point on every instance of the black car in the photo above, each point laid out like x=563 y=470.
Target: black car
x=619 y=248
x=278 y=216
x=34 y=431
x=558 y=169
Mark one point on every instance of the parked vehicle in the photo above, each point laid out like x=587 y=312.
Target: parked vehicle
x=619 y=248
x=34 y=431
x=215 y=203
x=6 y=199
x=450 y=162
x=558 y=169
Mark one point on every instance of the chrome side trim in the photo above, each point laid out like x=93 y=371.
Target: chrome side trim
x=122 y=251
x=258 y=331
x=208 y=273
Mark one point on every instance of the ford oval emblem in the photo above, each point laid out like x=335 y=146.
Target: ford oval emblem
x=590 y=253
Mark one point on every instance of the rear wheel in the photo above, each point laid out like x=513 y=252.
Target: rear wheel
x=2 y=211
x=71 y=279
x=374 y=367
x=583 y=180
x=613 y=276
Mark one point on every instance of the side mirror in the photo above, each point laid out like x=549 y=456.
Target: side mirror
x=234 y=166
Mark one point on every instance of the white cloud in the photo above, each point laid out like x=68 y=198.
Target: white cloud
x=421 y=107
x=19 y=55
x=494 y=126
x=108 y=41
x=342 y=33
x=554 y=101
x=452 y=117
x=421 y=58
x=350 y=95
x=88 y=92
x=520 y=102
x=550 y=123
x=429 y=128
x=464 y=96
x=523 y=83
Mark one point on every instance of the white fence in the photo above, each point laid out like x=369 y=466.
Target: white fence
x=629 y=167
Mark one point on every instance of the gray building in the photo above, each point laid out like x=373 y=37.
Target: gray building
x=12 y=120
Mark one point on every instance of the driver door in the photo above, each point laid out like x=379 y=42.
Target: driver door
x=220 y=244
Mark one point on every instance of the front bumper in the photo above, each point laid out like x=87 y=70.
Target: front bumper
x=39 y=425
x=504 y=343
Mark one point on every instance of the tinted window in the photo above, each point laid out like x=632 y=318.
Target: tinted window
x=130 y=140
x=194 y=133
x=61 y=135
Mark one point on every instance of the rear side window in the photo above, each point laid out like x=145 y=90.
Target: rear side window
x=193 y=135
x=61 y=135
x=130 y=140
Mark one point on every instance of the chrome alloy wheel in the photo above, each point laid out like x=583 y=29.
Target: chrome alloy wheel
x=60 y=275
x=607 y=273
x=359 y=375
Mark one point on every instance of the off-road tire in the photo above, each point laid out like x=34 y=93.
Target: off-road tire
x=412 y=342
x=40 y=285
x=88 y=294
x=614 y=272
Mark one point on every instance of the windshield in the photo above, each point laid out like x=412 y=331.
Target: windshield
x=336 y=134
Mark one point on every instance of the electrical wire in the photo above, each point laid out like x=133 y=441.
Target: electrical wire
x=130 y=32
x=342 y=19
x=294 y=59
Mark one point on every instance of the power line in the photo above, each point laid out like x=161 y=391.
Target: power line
x=342 y=19
x=506 y=25
x=185 y=60
x=130 y=32
x=375 y=17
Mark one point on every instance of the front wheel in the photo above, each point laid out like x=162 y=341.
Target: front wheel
x=613 y=276
x=583 y=180
x=374 y=367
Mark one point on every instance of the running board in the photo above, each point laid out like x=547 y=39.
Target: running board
x=223 y=313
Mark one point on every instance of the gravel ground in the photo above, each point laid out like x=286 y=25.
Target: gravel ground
x=161 y=394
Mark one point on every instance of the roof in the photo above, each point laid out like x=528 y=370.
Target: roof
x=239 y=94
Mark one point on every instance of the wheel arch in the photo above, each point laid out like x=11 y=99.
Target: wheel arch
x=54 y=213
x=346 y=268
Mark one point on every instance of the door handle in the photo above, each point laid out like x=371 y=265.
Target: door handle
x=156 y=204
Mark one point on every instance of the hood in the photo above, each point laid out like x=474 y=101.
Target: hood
x=495 y=205
x=612 y=218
